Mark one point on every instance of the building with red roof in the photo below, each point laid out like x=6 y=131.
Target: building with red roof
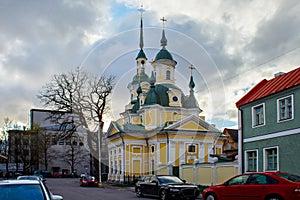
x=269 y=128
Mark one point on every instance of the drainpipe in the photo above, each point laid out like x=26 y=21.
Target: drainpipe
x=123 y=157
x=240 y=140
x=168 y=154
x=147 y=155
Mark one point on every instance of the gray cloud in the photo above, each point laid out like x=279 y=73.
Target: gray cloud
x=234 y=45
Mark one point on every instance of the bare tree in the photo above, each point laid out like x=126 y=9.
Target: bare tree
x=73 y=155
x=80 y=102
x=7 y=123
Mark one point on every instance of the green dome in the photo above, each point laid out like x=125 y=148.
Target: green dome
x=163 y=54
x=191 y=101
x=143 y=78
x=152 y=97
x=161 y=94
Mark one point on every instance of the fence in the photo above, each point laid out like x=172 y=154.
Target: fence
x=208 y=173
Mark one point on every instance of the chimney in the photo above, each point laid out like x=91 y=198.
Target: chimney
x=278 y=74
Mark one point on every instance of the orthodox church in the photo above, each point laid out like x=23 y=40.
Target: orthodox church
x=161 y=127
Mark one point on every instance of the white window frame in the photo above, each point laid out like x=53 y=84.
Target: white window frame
x=246 y=159
x=278 y=108
x=265 y=159
x=254 y=115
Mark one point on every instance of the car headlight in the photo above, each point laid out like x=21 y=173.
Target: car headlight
x=174 y=190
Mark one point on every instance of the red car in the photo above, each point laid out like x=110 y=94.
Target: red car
x=256 y=185
x=88 y=181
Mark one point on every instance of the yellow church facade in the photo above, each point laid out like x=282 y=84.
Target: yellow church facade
x=161 y=128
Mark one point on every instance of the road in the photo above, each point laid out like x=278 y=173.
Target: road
x=69 y=188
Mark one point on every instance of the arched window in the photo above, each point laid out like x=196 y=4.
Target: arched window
x=168 y=75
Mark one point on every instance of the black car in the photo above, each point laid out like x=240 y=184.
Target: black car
x=165 y=187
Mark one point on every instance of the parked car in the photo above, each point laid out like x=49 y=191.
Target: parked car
x=25 y=190
x=165 y=187
x=44 y=173
x=88 y=180
x=256 y=185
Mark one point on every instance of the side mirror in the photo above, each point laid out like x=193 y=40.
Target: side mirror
x=57 y=197
x=225 y=184
x=184 y=181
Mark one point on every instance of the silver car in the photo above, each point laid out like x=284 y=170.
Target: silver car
x=25 y=190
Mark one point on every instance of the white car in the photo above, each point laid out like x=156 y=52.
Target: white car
x=25 y=190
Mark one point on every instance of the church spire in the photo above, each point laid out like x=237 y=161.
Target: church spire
x=191 y=84
x=141 y=54
x=191 y=101
x=141 y=28
x=163 y=41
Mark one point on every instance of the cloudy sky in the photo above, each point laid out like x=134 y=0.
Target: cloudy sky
x=232 y=44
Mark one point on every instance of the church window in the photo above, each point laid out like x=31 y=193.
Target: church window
x=152 y=171
x=175 y=98
x=116 y=167
x=152 y=149
x=192 y=148
x=168 y=75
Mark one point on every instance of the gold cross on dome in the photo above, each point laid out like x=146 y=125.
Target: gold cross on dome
x=191 y=67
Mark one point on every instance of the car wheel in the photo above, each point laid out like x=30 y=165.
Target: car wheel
x=211 y=196
x=163 y=195
x=274 y=198
x=139 y=192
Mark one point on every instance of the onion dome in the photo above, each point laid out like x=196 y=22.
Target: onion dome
x=191 y=101
x=152 y=96
x=139 y=78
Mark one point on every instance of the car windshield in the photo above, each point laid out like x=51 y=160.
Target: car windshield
x=28 y=178
x=169 y=179
x=290 y=177
x=21 y=192
x=89 y=178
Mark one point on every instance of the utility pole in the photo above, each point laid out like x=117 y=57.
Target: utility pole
x=99 y=154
